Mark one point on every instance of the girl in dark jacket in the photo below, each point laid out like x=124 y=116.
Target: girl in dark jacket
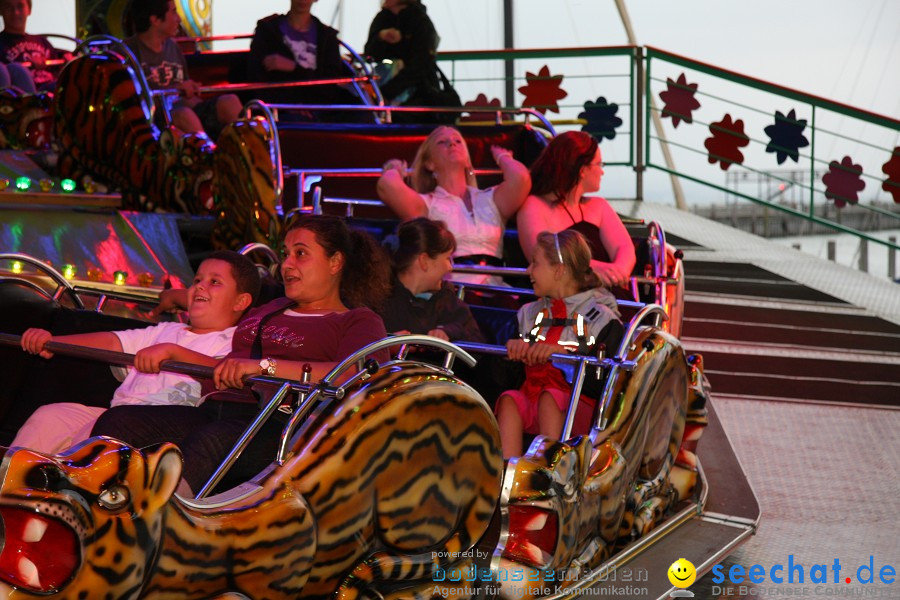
x=421 y=301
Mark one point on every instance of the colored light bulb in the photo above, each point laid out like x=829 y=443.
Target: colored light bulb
x=67 y=185
x=145 y=279
x=16 y=266
x=4 y=183
x=46 y=185
x=94 y=274
x=69 y=271
x=23 y=183
x=119 y=277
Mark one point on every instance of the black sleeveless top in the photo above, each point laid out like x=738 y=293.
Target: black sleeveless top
x=591 y=233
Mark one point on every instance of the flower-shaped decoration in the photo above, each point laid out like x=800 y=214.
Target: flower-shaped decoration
x=892 y=169
x=482 y=101
x=842 y=182
x=601 y=118
x=727 y=137
x=679 y=100
x=786 y=136
x=542 y=92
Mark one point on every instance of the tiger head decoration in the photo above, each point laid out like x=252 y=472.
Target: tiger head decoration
x=101 y=504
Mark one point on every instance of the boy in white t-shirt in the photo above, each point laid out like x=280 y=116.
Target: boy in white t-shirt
x=225 y=286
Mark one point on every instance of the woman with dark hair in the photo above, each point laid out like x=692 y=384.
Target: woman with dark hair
x=421 y=301
x=333 y=276
x=568 y=168
x=444 y=188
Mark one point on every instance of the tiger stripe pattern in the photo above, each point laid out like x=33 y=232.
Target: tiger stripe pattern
x=382 y=488
x=103 y=130
x=244 y=191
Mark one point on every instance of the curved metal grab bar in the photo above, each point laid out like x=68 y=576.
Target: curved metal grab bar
x=359 y=356
x=370 y=77
x=274 y=147
x=258 y=246
x=56 y=276
x=655 y=310
x=145 y=92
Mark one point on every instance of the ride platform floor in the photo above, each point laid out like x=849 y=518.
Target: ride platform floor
x=804 y=360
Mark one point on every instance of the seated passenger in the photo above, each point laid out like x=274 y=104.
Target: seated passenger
x=574 y=314
x=331 y=275
x=443 y=188
x=162 y=61
x=568 y=168
x=403 y=34
x=224 y=288
x=421 y=301
x=16 y=47
x=297 y=47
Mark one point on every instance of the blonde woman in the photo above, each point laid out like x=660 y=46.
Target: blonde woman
x=443 y=188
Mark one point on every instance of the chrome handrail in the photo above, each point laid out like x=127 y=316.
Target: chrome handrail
x=373 y=81
x=145 y=92
x=274 y=145
x=62 y=284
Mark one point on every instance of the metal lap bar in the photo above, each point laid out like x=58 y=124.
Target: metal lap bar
x=389 y=110
x=305 y=177
x=240 y=87
x=577 y=384
x=245 y=439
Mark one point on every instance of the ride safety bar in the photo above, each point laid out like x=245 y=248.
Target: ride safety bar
x=123 y=359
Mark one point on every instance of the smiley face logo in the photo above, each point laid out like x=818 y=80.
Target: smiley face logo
x=682 y=573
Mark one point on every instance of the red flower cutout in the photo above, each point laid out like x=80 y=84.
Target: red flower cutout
x=843 y=181
x=543 y=90
x=892 y=169
x=679 y=100
x=727 y=137
x=482 y=101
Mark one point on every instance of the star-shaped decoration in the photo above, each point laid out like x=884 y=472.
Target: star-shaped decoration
x=481 y=101
x=786 y=136
x=679 y=100
x=727 y=137
x=843 y=181
x=892 y=169
x=601 y=118
x=543 y=91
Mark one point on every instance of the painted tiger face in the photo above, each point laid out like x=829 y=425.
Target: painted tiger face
x=25 y=120
x=89 y=519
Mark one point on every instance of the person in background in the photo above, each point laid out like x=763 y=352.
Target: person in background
x=156 y=23
x=570 y=167
x=16 y=47
x=403 y=34
x=421 y=301
x=444 y=189
x=297 y=46
x=225 y=286
x=332 y=275
x=574 y=313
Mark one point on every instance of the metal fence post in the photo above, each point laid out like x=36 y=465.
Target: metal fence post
x=892 y=257
x=832 y=246
x=864 y=255
x=639 y=124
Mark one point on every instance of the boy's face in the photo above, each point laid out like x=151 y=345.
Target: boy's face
x=15 y=13
x=213 y=299
x=168 y=25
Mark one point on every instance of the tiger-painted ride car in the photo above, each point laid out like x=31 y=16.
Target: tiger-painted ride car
x=99 y=124
x=385 y=492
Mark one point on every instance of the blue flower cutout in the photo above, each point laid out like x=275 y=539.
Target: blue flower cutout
x=786 y=136
x=601 y=119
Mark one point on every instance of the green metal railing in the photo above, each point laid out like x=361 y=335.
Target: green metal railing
x=707 y=148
